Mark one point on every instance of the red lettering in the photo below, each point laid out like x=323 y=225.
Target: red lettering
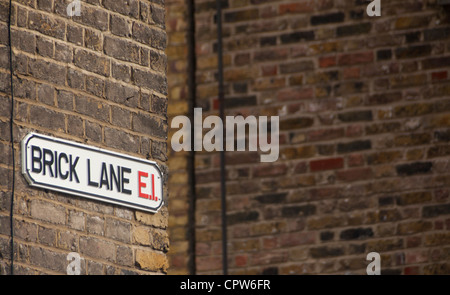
x=153 y=188
x=142 y=184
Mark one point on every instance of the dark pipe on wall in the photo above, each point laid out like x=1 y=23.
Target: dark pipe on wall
x=222 y=153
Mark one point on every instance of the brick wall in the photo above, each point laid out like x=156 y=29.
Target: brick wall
x=180 y=163
x=364 y=137
x=99 y=79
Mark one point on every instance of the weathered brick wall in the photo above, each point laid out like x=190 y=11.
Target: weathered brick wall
x=100 y=79
x=364 y=116
x=177 y=23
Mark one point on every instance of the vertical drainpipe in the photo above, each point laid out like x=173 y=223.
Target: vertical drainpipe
x=11 y=126
x=191 y=160
x=222 y=153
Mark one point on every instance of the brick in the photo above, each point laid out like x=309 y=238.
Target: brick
x=325 y=134
x=336 y=17
x=121 y=140
x=296 y=123
x=413 y=227
x=414 y=168
x=413 y=110
x=149 y=125
x=158 y=61
x=437 y=76
x=92 y=62
x=413 y=51
x=150 y=80
x=121 y=49
x=125 y=7
x=95 y=225
x=288 y=94
x=414 y=198
x=24 y=41
x=436 y=62
x=242 y=217
x=159 y=151
x=47 y=71
x=48 y=259
x=158 y=16
x=118 y=230
x=384 y=54
x=76 y=220
x=296 y=211
x=93 y=131
x=436 y=34
x=45 y=5
x=242 y=15
x=142 y=33
x=296 y=67
x=271 y=198
x=299 y=152
x=120 y=26
x=259 y=229
x=92 y=40
x=121 y=71
x=326 y=164
x=94 y=17
x=248 y=245
x=44 y=117
x=349 y=30
x=97 y=248
x=356 y=58
x=47 y=236
x=409 y=22
x=95 y=86
x=121 y=94
x=412 y=139
x=208 y=263
x=297 y=37
x=48 y=212
x=435 y=210
x=355 y=174
x=355 y=116
x=74 y=34
x=325 y=62
x=295 y=239
x=46 y=25
x=353 y=146
x=296 y=7
x=442 y=136
x=356 y=233
x=437 y=239
x=383 y=157
x=436 y=269
x=325 y=222
x=326 y=236
x=22 y=229
x=267 y=55
x=384 y=98
x=46 y=94
x=159 y=39
x=326 y=252
x=92 y=107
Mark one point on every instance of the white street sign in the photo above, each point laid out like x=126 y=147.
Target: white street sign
x=91 y=172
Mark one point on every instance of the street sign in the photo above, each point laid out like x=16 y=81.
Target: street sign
x=91 y=172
